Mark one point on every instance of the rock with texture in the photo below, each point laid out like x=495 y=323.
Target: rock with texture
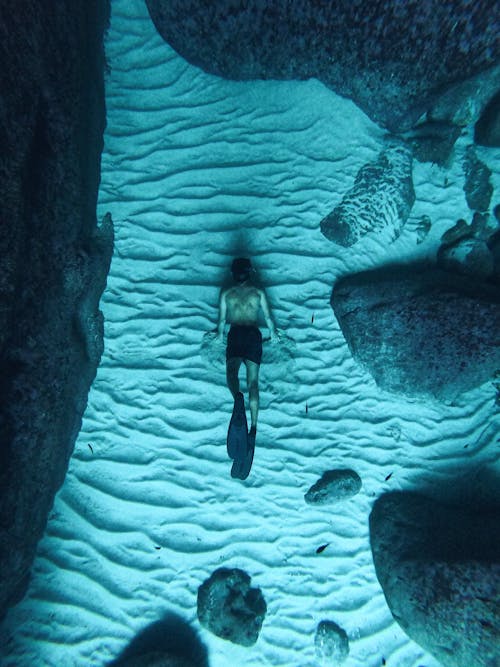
x=331 y=643
x=478 y=188
x=334 y=485
x=54 y=258
x=229 y=608
x=381 y=199
x=421 y=331
x=487 y=129
x=439 y=568
x=393 y=58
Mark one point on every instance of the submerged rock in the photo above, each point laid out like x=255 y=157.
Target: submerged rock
x=469 y=256
x=420 y=331
x=487 y=128
x=54 y=258
x=333 y=486
x=332 y=643
x=393 y=58
x=229 y=608
x=433 y=141
x=439 y=568
x=381 y=199
x=478 y=188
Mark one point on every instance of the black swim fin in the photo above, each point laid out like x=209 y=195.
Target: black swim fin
x=242 y=466
x=237 y=432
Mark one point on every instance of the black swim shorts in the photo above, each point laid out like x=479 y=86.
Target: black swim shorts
x=244 y=341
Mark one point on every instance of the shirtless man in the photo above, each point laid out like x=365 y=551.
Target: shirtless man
x=240 y=306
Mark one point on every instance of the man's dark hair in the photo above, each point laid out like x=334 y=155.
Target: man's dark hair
x=240 y=268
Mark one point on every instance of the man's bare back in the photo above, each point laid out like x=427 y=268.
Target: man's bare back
x=242 y=304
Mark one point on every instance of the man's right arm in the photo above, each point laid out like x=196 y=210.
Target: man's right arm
x=222 y=315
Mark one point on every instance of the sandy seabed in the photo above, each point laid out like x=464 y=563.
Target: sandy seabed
x=197 y=170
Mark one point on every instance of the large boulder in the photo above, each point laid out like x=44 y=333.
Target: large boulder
x=421 y=331
x=439 y=568
x=54 y=258
x=394 y=59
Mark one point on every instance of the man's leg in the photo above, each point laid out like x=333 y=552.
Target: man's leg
x=253 y=390
x=232 y=367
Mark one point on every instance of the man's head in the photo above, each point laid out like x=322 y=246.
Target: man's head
x=241 y=269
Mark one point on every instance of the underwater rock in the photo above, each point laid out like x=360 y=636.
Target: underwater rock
x=433 y=141
x=469 y=256
x=422 y=228
x=420 y=331
x=470 y=249
x=333 y=486
x=229 y=608
x=392 y=58
x=331 y=643
x=169 y=642
x=439 y=568
x=54 y=258
x=494 y=248
x=487 y=128
x=478 y=189
x=381 y=198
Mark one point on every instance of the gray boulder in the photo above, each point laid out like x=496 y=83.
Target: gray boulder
x=229 y=608
x=420 y=331
x=394 y=59
x=477 y=187
x=439 y=568
x=54 y=258
x=333 y=486
x=487 y=128
x=381 y=199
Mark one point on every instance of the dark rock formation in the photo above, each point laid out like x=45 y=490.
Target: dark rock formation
x=422 y=228
x=170 y=642
x=333 y=486
x=478 y=189
x=53 y=257
x=439 y=568
x=433 y=141
x=381 y=198
x=393 y=58
x=471 y=249
x=331 y=642
x=420 y=331
x=229 y=608
x=487 y=128
x=469 y=256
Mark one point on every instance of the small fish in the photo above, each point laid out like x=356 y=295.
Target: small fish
x=307 y=408
x=312 y=318
x=157 y=548
x=320 y=549
x=90 y=447
x=388 y=477
x=465 y=446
